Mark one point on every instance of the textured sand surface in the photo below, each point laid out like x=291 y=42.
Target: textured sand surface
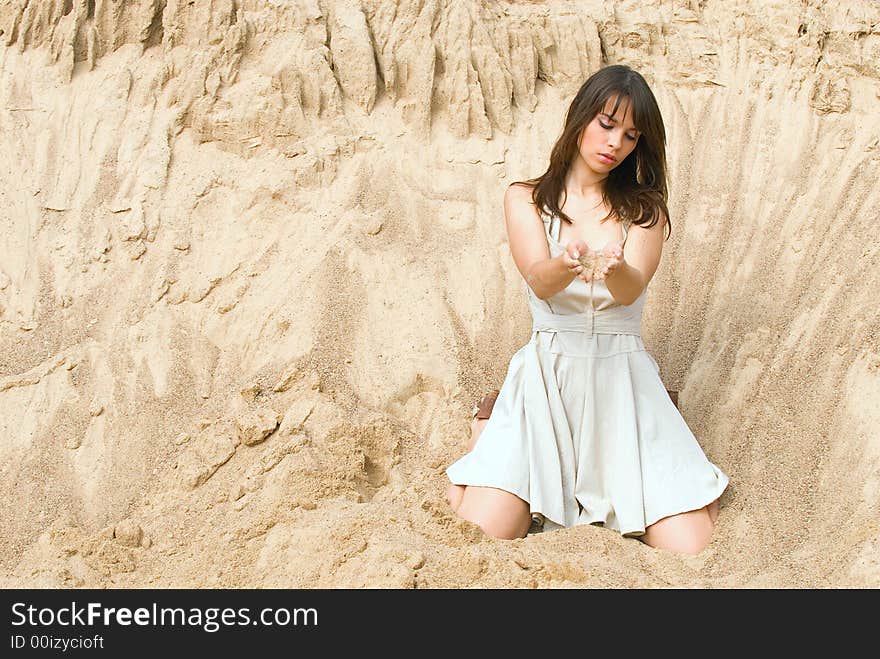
x=254 y=271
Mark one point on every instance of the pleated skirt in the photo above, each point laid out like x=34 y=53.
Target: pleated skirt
x=584 y=431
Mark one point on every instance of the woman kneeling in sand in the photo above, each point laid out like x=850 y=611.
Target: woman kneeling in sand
x=583 y=430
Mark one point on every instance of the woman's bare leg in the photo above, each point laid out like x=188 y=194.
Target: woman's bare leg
x=687 y=533
x=499 y=513
x=712 y=509
x=476 y=428
x=455 y=492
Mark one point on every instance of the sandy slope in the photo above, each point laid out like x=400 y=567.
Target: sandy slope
x=253 y=272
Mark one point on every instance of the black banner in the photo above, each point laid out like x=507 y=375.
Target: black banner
x=76 y=621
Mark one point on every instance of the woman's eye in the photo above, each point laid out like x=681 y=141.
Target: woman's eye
x=609 y=127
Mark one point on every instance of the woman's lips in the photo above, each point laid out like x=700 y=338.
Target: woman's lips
x=607 y=159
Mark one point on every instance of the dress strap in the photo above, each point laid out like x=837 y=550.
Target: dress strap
x=625 y=227
x=548 y=218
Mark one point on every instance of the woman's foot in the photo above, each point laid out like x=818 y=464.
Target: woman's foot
x=483 y=406
x=537 y=523
x=481 y=413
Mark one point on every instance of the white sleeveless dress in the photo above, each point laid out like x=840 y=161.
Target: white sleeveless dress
x=583 y=428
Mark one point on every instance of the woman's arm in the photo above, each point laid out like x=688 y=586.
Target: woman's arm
x=641 y=256
x=546 y=276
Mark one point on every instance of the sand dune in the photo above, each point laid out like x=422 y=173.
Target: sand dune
x=253 y=272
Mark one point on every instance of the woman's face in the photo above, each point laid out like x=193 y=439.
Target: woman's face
x=606 y=141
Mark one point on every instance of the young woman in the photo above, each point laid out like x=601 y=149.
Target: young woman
x=582 y=430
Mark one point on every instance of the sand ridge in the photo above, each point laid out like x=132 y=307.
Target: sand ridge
x=254 y=272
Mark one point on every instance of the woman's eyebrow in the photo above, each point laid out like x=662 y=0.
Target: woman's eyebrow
x=610 y=118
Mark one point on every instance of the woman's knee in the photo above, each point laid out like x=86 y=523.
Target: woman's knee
x=454 y=495
x=504 y=531
x=712 y=509
x=505 y=527
x=499 y=513
x=686 y=533
x=681 y=544
x=690 y=544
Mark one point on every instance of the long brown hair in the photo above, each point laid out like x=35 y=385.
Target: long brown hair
x=635 y=189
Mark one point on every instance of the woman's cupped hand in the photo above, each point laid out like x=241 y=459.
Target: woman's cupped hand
x=589 y=264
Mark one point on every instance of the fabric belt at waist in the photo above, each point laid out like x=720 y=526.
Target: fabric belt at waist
x=612 y=321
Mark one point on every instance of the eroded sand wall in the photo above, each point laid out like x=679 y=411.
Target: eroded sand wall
x=253 y=272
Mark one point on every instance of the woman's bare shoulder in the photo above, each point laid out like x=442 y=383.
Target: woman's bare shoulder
x=519 y=195
x=646 y=226
x=523 y=188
